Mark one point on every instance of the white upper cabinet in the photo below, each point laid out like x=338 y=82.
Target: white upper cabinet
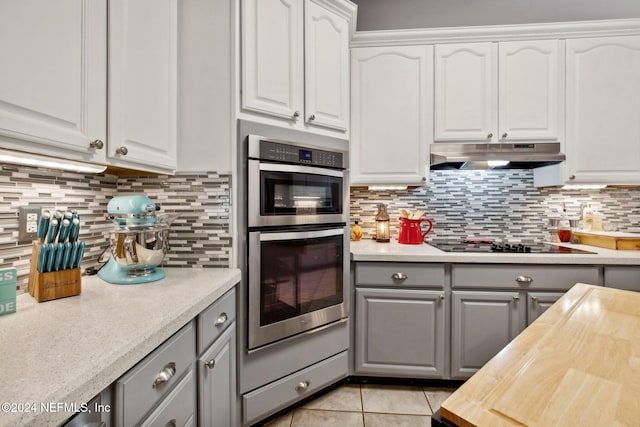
x=326 y=68
x=466 y=92
x=53 y=91
x=142 y=84
x=499 y=92
x=531 y=90
x=603 y=113
x=272 y=57
x=392 y=115
x=295 y=62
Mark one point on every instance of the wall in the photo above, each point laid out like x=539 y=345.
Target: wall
x=498 y=203
x=199 y=237
x=403 y=14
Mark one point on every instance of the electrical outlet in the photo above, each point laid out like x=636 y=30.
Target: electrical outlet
x=28 y=223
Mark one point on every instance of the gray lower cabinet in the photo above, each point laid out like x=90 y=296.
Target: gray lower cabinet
x=622 y=277
x=492 y=303
x=401 y=313
x=483 y=323
x=216 y=382
x=400 y=332
x=188 y=380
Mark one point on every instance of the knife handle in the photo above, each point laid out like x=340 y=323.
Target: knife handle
x=42 y=258
x=59 y=254
x=78 y=259
x=74 y=232
x=51 y=256
x=53 y=231
x=43 y=225
x=66 y=257
x=65 y=228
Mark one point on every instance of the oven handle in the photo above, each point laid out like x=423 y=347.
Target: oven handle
x=280 y=167
x=299 y=235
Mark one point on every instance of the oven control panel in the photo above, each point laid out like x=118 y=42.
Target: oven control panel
x=279 y=152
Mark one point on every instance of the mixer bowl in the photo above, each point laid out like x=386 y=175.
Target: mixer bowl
x=141 y=249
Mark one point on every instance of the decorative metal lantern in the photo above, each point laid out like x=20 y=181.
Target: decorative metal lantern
x=382 y=224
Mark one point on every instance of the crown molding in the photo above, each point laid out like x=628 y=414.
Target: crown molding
x=556 y=30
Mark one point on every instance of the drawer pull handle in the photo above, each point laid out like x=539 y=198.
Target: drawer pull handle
x=165 y=375
x=399 y=276
x=221 y=319
x=524 y=280
x=302 y=386
x=171 y=423
x=210 y=363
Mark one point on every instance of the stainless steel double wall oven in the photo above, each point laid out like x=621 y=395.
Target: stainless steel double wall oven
x=297 y=213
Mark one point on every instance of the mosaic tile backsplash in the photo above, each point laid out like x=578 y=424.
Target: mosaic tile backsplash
x=494 y=204
x=199 y=237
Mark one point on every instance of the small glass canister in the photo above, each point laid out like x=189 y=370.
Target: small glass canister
x=382 y=224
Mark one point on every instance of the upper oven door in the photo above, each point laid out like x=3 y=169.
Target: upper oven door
x=283 y=194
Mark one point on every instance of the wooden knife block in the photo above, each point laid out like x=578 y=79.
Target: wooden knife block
x=54 y=284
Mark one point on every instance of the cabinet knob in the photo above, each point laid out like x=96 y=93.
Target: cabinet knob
x=534 y=300
x=97 y=144
x=524 y=280
x=171 y=423
x=490 y=135
x=220 y=320
x=122 y=150
x=312 y=117
x=302 y=386
x=210 y=363
x=442 y=296
x=399 y=276
x=516 y=299
x=572 y=177
x=296 y=114
x=504 y=135
x=165 y=375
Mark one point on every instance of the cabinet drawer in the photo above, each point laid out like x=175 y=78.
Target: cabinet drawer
x=178 y=408
x=214 y=320
x=400 y=274
x=622 y=277
x=142 y=387
x=503 y=276
x=282 y=393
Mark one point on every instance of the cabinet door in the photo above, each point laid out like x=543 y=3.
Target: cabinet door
x=482 y=324
x=400 y=332
x=539 y=302
x=531 y=90
x=466 y=95
x=217 y=382
x=391 y=118
x=272 y=57
x=142 y=84
x=603 y=110
x=326 y=68
x=53 y=87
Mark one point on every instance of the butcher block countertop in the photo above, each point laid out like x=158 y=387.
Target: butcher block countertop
x=578 y=364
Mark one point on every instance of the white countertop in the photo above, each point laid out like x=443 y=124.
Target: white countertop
x=70 y=349
x=370 y=250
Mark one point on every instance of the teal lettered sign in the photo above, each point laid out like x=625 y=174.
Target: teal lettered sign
x=8 y=281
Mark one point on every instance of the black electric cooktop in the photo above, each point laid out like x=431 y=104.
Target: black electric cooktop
x=487 y=246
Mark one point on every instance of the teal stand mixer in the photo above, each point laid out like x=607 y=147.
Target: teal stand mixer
x=138 y=242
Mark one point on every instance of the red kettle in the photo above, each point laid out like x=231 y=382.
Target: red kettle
x=411 y=231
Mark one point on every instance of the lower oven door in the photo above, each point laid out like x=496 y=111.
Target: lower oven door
x=298 y=281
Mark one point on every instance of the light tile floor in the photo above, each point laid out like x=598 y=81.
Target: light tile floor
x=368 y=405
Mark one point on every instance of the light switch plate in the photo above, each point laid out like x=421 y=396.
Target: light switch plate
x=28 y=223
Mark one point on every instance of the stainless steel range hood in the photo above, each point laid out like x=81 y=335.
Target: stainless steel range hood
x=494 y=156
